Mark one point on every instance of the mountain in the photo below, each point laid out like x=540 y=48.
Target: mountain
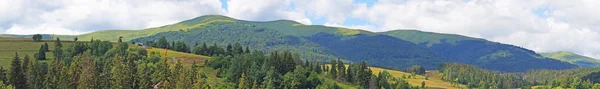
x=479 y=52
x=573 y=58
x=311 y=42
x=394 y=49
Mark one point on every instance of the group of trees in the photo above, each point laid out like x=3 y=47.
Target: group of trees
x=97 y=64
x=579 y=78
x=287 y=71
x=37 y=37
x=203 y=49
x=415 y=69
x=475 y=77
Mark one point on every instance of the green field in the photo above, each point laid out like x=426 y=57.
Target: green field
x=183 y=57
x=434 y=80
x=8 y=47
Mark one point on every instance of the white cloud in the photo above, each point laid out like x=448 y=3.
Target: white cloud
x=566 y=25
x=80 y=16
x=570 y=25
x=265 y=10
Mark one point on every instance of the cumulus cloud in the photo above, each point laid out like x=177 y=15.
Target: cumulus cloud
x=561 y=26
x=265 y=10
x=81 y=16
x=540 y=25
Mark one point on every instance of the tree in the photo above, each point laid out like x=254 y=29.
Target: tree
x=117 y=76
x=37 y=37
x=3 y=76
x=423 y=84
x=46 y=47
x=41 y=55
x=162 y=42
x=238 y=48
x=87 y=79
x=57 y=43
x=341 y=69
x=17 y=77
x=364 y=75
x=75 y=39
x=333 y=70
x=247 y=50
x=243 y=82
x=6 y=86
x=596 y=86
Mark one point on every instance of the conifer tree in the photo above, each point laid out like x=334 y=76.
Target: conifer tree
x=41 y=55
x=333 y=69
x=17 y=77
x=117 y=76
x=242 y=82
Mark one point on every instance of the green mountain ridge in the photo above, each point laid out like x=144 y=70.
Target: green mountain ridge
x=573 y=58
x=393 y=49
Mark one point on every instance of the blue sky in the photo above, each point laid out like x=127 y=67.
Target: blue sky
x=540 y=25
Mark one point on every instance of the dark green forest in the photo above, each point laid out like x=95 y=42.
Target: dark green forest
x=474 y=77
x=97 y=64
x=393 y=50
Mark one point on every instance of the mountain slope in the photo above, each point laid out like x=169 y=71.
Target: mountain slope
x=312 y=42
x=479 y=52
x=576 y=59
x=394 y=49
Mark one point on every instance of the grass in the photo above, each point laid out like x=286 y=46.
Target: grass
x=112 y=35
x=434 y=80
x=573 y=58
x=186 y=58
x=24 y=46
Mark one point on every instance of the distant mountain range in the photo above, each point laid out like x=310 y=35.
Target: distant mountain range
x=573 y=58
x=392 y=49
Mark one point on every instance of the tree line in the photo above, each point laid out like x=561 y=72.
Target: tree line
x=474 y=77
x=99 y=65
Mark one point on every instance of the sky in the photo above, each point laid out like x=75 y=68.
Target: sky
x=539 y=25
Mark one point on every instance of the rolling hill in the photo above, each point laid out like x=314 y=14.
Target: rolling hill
x=479 y=52
x=394 y=49
x=576 y=59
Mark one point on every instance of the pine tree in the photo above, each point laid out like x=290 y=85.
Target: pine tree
x=117 y=76
x=57 y=43
x=3 y=76
x=199 y=84
x=46 y=47
x=229 y=50
x=333 y=69
x=238 y=49
x=41 y=55
x=26 y=66
x=17 y=77
x=364 y=75
x=247 y=50
x=204 y=49
x=341 y=69
x=87 y=79
x=596 y=86
x=242 y=82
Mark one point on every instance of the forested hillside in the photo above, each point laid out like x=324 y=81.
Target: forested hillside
x=100 y=65
x=394 y=49
x=480 y=52
x=474 y=77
